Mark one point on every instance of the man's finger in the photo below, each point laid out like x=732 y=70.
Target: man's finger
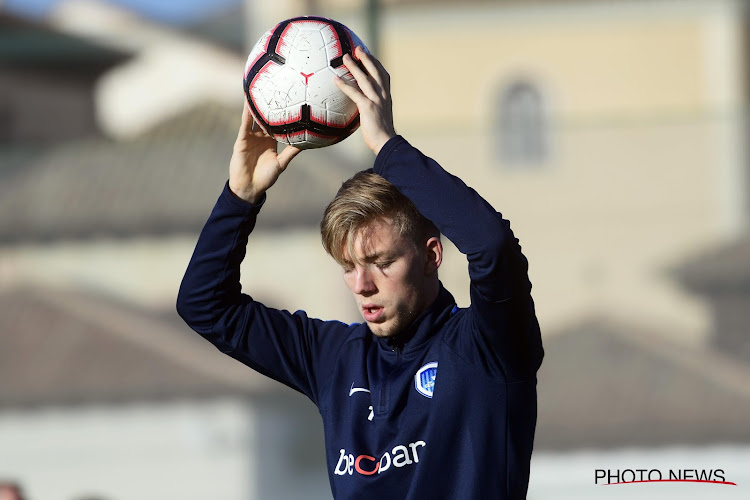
x=364 y=80
x=286 y=155
x=247 y=123
x=350 y=90
x=375 y=69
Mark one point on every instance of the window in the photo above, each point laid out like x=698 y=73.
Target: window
x=521 y=126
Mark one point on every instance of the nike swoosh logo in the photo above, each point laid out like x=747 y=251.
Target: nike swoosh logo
x=353 y=389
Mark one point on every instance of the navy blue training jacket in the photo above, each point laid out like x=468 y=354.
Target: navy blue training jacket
x=447 y=410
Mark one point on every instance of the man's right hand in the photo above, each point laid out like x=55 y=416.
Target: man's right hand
x=255 y=165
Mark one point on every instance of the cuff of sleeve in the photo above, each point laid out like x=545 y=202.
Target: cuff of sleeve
x=228 y=197
x=385 y=152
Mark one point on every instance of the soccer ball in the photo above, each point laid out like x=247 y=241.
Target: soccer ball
x=289 y=82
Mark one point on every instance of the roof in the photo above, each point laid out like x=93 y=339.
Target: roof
x=66 y=347
x=27 y=44
x=607 y=384
x=601 y=384
x=723 y=267
x=163 y=182
x=225 y=28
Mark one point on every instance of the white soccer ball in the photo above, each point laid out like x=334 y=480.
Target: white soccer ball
x=289 y=82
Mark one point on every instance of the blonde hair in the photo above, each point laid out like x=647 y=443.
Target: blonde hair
x=362 y=199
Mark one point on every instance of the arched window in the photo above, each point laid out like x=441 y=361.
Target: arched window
x=521 y=135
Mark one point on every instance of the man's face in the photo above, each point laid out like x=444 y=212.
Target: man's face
x=390 y=280
x=9 y=492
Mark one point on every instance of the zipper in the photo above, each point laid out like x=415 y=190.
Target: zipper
x=383 y=400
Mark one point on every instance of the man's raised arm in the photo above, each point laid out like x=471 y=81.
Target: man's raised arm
x=502 y=308
x=276 y=343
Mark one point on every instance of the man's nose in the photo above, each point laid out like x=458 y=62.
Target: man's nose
x=363 y=283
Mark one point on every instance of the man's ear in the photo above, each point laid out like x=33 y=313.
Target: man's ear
x=434 y=252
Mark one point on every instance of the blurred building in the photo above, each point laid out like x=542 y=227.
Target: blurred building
x=721 y=276
x=98 y=397
x=47 y=81
x=168 y=72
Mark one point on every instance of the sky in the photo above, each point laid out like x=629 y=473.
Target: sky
x=168 y=11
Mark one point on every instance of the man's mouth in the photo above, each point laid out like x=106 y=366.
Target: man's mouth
x=372 y=312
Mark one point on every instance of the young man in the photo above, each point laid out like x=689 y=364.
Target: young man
x=423 y=399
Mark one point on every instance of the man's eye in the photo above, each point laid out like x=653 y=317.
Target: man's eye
x=383 y=265
x=347 y=269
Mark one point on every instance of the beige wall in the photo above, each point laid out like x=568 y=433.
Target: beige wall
x=594 y=70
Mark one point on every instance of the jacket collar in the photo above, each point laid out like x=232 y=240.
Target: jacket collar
x=422 y=328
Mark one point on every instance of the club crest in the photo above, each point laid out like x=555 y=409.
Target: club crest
x=424 y=380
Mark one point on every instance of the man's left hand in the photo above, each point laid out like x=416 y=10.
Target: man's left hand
x=372 y=95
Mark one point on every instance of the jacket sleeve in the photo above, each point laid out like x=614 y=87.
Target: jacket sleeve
x=291 y=348
x=502 y=313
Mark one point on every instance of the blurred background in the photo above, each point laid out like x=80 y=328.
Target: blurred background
x=612 y=133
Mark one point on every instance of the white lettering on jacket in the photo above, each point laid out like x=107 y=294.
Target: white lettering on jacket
x=367 y=465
